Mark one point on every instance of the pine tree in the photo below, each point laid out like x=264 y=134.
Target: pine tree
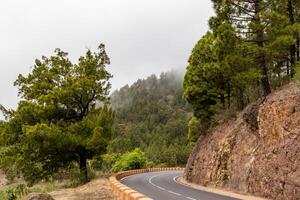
x=251 y=43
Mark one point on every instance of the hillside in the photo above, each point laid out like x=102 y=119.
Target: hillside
x=257 y=153
x=152 y=115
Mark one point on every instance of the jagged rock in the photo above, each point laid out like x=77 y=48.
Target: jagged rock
x=35 y=196
x=251 y=114
x=257 y=153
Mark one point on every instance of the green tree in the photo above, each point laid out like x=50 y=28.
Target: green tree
x=196 y=128
x=62 y=118
x=269 y=28
x=200 y=82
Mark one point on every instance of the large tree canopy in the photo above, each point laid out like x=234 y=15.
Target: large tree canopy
x=62 y=118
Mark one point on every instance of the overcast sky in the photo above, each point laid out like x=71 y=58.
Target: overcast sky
x=142 y=37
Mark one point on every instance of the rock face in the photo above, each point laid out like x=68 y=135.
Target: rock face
x=257 y=153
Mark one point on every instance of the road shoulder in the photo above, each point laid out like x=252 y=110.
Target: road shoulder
x=181 y=180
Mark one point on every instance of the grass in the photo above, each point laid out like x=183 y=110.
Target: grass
x=14 y=193
x=18 y=189
x=21 y=190
x=297 y=76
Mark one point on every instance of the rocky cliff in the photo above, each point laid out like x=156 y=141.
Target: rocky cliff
x=257 y=153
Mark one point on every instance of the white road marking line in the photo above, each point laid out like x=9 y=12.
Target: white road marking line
x=130 y=176
x=174 y=193
x=150 y=181
x=175 y=179
x=190 y=198
x=161 y=188
x=122 y=179
x=169 y=191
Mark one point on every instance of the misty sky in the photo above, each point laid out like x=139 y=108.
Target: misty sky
x=142 y=37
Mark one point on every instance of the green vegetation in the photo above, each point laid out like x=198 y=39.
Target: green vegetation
x=14 y=193
x=297 y=76
x=152 y=115
x=196 y=128
x=59 y=122
x=131 y=160
x=17 y=192
x=250 y=44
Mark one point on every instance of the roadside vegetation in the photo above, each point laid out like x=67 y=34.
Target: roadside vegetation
x=18 y=191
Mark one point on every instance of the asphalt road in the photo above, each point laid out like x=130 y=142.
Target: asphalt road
x=163 y=186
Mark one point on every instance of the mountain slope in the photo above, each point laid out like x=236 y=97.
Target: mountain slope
x=152 y=115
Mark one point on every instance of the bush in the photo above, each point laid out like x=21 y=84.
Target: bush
x=196 y=127
x=109 y=160
x=297 y=76
x=135 y=159
x=14 y=193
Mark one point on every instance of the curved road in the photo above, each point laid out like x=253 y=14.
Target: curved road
x=163 y=186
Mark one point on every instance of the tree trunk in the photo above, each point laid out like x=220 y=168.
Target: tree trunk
x=265 y=70
x=261 y=56
x=222 y=99
x=293 y=47
x=287 y=69
x=228 y=97
x=298 y=48
x=240 y=100
x=293 y=60
x=83 y=166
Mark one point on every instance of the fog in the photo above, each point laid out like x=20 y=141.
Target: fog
x=142 y=37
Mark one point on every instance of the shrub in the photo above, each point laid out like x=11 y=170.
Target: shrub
x=135 y=159
x=109 y=160
x=196 y=127
x=14 y=193
x=297 y=76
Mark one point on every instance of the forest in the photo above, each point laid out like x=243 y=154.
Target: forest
x=152 y=115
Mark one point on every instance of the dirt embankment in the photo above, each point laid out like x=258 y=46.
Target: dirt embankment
x=257 y=153
x=96 y=189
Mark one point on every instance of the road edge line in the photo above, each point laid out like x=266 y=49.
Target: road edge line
x=180 y=180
